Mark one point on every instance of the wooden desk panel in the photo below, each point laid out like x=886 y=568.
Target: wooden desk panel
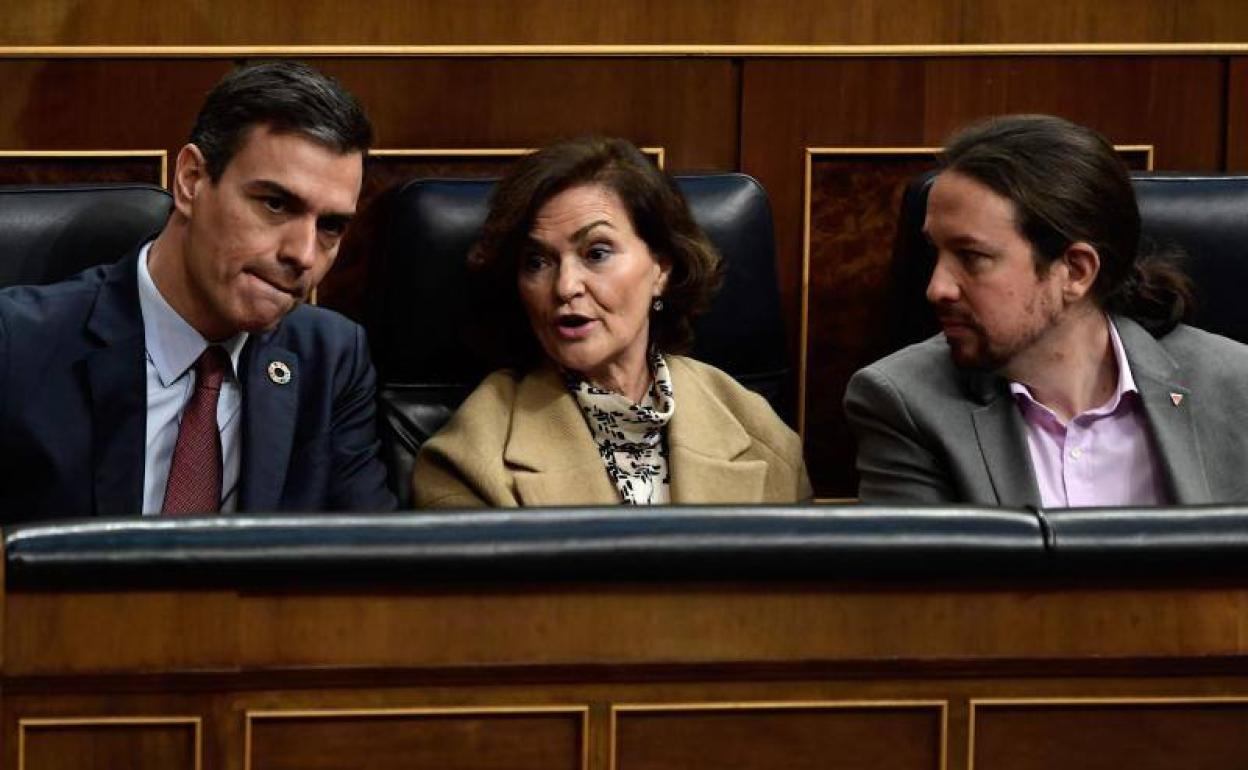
x=643 y=675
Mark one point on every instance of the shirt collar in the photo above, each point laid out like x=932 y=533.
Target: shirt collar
x=172 y=343
x=1126 y=382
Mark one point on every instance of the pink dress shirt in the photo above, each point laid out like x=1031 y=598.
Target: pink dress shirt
x=1102 y=457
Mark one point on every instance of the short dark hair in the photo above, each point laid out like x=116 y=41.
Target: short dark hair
x=287 y=96
x=657 y=211
x=1069 y=185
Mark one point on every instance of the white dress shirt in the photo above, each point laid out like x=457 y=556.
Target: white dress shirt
x=173 y=345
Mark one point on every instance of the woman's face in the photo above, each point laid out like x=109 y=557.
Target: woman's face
x=587 y=282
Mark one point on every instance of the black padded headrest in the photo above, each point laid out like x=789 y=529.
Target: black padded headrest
x=50 y=232
x=436 y=221
x=574 y=544
x=734 y=543
x=1206 y=215
x=1118 y=541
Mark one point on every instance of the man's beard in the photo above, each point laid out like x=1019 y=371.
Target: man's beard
x=981 y=354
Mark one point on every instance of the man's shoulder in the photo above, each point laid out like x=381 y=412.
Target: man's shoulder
x=312 y=328
x=1204 y=354
x=37 y=302
x=1212 y=367
x=925 y=365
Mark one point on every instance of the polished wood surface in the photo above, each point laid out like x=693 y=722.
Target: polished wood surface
x=504 y=740
x=613 y=624
x=27 y=168
x=636 y=675
x=140 y=744
x=102 y=104
x=1237 y=115
x=839 y=737
x=1142 y=735
x=447 y=22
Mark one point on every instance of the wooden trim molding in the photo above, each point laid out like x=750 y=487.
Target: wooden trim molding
x=687 y=51
x=659 y=154
x=162 y=155
x=812 y=705
x=124 y=721
x=987 y=703
x=252 y=716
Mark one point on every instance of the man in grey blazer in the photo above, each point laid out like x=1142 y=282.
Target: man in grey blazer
x=1063 y=376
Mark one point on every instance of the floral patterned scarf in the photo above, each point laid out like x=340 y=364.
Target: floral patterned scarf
x=631 y=437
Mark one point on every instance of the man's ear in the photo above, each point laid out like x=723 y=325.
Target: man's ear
x=1083 y=264
x=190 y=172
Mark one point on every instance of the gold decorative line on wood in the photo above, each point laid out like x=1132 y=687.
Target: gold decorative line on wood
x=123 y=721
x=1147 y=149
x=678 y=50
x=658 y=153
x=1160 y=700
x=163 y=155
x=413 y=711
x=773 y=705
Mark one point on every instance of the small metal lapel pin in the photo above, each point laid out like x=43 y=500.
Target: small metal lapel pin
x=279 y=372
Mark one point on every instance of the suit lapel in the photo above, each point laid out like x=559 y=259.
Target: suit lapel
x=705 y=442
x=1172 y=423
x=554 y=455
x=1003 y=444
x=116 y=383
x=270 y=414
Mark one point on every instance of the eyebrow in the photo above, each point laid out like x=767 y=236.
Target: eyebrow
x=580 y=234
x=577 y=237
x=959 y=240
x=297 y=203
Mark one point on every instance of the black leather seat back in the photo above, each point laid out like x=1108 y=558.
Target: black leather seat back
x=427 y=366
x=50 y=232
x=1205 y=215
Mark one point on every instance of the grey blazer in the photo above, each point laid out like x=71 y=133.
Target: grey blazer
x=929 y=432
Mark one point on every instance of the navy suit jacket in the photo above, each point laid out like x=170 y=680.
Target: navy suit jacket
x=73 y=406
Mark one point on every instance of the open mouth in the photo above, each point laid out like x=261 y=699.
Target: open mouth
x=572 y=321
x=573 y=325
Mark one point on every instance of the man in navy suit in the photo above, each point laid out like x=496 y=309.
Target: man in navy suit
x=109 y=381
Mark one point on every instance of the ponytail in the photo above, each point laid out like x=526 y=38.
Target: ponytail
x=1156 y=293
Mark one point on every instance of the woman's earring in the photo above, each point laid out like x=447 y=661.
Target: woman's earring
x=657 y=304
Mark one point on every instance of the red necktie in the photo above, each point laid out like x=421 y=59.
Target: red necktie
x=195 y=474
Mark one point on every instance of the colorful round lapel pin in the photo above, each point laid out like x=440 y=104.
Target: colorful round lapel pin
x=279 y=372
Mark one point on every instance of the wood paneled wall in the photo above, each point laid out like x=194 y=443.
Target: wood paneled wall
x=764 y=115
x=507 y=22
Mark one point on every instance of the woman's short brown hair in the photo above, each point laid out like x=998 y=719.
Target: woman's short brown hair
x=658 y=213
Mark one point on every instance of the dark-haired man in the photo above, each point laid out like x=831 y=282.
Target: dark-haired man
x=190 y=377
x=1063 y=377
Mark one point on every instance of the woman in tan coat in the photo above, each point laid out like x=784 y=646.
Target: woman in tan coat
x=592 y=269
